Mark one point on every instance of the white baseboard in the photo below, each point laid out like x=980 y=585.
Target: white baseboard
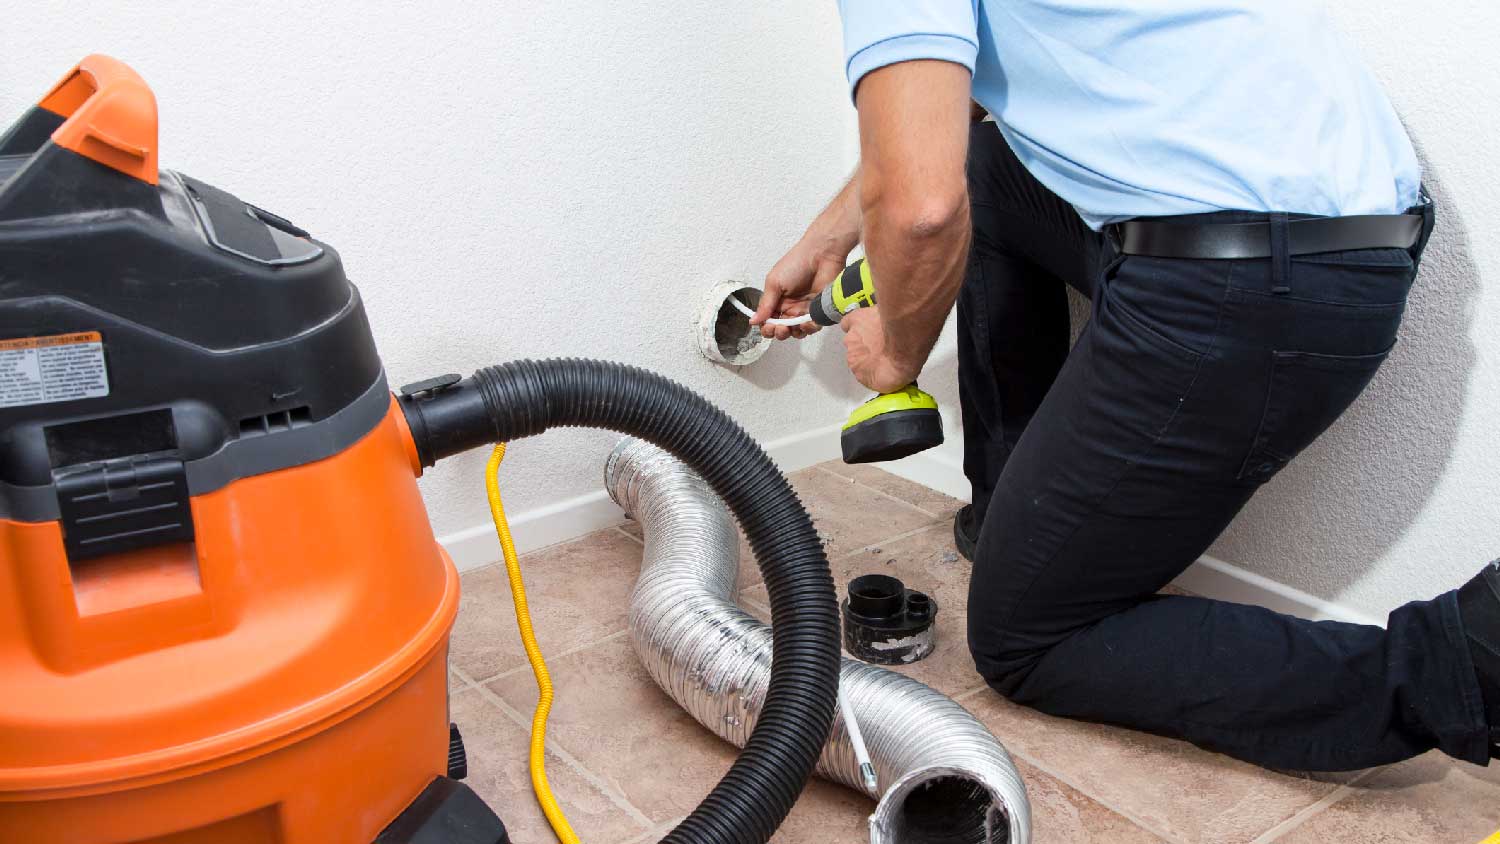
x=808 y=448
x=940 y=468
x=477 y=546
x=936 y=469
x=1214 y=578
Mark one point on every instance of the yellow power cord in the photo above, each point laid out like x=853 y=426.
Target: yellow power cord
x=538 y=761
x=1493 y=839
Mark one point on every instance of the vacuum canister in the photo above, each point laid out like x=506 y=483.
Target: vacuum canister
x=223 y=615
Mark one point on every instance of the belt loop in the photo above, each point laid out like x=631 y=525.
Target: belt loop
x=1428 y=220
x=1281 y=254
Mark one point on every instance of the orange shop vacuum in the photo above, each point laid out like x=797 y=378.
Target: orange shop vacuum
x=224 y=618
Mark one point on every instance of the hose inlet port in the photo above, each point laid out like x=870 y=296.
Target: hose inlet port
x=724 y=332
x=918 y=605
x=876 y=595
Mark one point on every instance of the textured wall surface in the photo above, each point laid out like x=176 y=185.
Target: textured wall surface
x=1401 y=499
x=510 y=179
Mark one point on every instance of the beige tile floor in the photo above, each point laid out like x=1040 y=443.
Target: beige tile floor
x=627 y=764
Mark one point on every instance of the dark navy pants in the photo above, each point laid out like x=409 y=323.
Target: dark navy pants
x=1103 y=472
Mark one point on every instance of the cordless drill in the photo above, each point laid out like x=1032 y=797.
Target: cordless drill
x=891 y=425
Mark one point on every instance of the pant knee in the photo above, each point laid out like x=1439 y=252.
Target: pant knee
x=1004 y=656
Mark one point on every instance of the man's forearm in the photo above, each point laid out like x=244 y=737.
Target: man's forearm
x=922 y=263
x=914 y=132
x=836 y=230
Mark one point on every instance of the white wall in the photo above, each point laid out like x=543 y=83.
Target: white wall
x=528 y=178
x=507 y=179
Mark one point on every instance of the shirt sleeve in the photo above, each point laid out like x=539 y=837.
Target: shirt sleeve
x=882 y=32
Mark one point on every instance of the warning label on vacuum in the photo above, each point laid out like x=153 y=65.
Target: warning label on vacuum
x=63 y=367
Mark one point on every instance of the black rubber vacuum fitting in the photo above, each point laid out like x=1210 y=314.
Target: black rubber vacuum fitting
x=886 y=623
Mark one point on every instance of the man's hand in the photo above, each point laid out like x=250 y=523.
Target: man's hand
x=864 y=351
x=812 y=265
x=800 y=275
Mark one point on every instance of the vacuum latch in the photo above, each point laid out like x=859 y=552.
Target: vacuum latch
x=123 y=505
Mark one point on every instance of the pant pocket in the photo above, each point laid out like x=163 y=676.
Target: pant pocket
x=1139 y=375
x=1307 y=392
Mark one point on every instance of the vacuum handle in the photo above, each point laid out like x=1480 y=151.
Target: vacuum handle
x=110 y=116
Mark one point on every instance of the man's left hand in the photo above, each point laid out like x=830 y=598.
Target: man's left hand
x=864 y=349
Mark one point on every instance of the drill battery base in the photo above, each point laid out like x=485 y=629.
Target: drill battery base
x=891 y=426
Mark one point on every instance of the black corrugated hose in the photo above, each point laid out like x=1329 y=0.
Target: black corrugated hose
x=524 y=398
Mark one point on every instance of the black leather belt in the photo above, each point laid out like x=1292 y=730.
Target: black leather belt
x=1232 y=241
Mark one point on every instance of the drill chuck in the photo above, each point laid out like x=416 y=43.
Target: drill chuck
x=852 y=289
x=821 y=308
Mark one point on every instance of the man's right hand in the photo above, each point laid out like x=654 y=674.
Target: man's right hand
x=812 y=265
x=800 y=275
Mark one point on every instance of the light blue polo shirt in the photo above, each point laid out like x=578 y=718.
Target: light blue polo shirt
x=1140 y=108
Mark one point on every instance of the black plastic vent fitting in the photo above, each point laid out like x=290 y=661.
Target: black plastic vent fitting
x=886 y=623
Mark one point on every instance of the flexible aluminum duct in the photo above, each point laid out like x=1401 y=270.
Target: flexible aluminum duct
x=944 y=776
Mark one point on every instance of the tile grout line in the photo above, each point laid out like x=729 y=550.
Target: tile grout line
x=614 y=796
x=968 y=693
x=751 y=601
x=576 y=649
x=465 y=682
x=660 y=829
x=897 y=538
x=1068 y=781
x=1128 y=815
x=463 y=676
x=857 y=551
x=879 y=492
x=937 y=520
x=1307 y=813
x=1271 y=835
x=552 y=547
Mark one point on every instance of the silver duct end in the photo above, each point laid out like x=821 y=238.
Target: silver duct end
x=945 y=776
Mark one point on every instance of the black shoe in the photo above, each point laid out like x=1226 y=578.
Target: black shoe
x=1479 y=608
x=966 y=531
